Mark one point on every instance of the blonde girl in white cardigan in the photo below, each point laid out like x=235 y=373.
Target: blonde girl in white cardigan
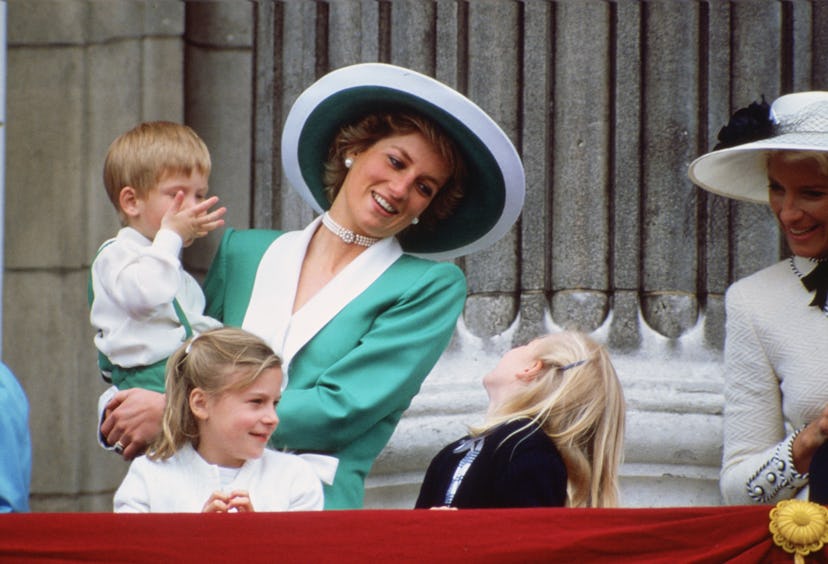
x=222 y=389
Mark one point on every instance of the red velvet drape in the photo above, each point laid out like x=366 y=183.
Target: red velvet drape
x=695 y=534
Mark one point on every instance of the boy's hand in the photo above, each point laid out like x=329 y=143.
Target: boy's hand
x=193 y=222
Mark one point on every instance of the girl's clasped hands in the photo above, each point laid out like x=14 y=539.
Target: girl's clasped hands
x=235 y=501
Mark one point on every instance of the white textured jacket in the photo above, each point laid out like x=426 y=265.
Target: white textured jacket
x=776 y=381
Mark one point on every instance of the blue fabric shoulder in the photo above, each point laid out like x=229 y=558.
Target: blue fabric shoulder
x=15 y=444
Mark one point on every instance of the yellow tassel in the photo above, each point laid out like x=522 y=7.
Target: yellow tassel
x=799 y=527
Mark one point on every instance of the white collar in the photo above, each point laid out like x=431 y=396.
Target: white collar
x=190 y=457
x=269 y=312
x=802 y=266
x=133 y=236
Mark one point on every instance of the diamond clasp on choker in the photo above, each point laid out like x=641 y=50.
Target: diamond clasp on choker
x=347 y=235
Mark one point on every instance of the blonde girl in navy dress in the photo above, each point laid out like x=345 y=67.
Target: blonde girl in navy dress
x=553 y=434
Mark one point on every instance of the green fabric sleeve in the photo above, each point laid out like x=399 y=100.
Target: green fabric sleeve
x=377 y=379
x=229 y=282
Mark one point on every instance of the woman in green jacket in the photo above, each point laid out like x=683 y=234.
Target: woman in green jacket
x=405 y=172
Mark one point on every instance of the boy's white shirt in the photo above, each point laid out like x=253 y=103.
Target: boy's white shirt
x=134 y=281
x=276 y=481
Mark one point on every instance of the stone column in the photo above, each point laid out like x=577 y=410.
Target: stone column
x=79 y=74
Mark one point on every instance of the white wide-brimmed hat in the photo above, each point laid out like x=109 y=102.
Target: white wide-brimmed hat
x=796 y=122
x=495 y=182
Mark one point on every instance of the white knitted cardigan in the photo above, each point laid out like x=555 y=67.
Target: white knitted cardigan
x=776 y=381
x=277 y=481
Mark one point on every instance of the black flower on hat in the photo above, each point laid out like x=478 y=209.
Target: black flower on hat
x=747 y=124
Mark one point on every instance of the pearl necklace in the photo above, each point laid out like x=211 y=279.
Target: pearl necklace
x=347 y=235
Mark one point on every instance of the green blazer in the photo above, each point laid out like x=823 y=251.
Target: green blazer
x=350 y=383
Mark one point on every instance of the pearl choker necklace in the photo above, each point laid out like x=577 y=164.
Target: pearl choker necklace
x=346 y=234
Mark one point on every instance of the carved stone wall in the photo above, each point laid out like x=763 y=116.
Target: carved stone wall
x=80 y=72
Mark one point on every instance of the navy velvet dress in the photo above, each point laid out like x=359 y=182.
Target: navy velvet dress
x=517 y=466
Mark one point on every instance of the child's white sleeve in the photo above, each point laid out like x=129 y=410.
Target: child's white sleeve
x=306 y=493
x=323 y=465
x=103 y=400
x=132 y=495
x=140 y=279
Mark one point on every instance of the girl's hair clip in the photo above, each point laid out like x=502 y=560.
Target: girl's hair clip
x=190 y=345
x=573 y=364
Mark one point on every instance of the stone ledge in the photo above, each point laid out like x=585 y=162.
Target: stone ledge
x=82 y=21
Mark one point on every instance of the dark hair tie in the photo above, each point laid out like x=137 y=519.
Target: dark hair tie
x=573 y=364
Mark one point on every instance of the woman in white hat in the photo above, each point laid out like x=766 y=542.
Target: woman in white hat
x=403 y=170
x=776 y=353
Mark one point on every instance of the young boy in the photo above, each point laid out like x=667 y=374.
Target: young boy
x=143 y=304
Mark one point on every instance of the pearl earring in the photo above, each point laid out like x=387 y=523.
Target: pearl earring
x=349 y=162
x=415 y=221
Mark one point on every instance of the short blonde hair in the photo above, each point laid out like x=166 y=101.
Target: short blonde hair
x=207 y=361
x=789 y=156
x=145 y=154
x=579 y=403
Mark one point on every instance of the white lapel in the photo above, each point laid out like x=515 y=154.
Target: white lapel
x=274 y=288
x=269 y=313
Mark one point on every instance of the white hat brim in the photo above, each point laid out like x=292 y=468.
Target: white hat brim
x=741 y=172
x=501 y=179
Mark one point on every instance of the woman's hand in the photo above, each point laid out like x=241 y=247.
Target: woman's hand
x=133 y=419
x=220 y=502
x=809 y=440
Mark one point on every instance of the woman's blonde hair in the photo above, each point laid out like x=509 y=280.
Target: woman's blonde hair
x=215 y=361
x=793 y=157
x=578 y=401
